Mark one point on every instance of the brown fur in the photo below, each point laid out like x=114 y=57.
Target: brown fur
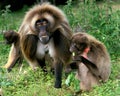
x=58 y=46
x=98 y=54
x=15 y=54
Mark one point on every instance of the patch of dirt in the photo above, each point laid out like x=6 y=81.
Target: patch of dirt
x=116 y=7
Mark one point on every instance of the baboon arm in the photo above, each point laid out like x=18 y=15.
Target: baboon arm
x=88 y=63
x=91 y=66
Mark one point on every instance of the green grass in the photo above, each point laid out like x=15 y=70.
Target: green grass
x=30 y=83
x=37 y=83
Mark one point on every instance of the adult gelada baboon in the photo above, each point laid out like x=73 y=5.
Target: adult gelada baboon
x=92 y=59
x=45 y=29
x=15 y=55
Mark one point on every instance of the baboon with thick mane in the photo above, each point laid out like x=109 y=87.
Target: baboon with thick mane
x=45 y=30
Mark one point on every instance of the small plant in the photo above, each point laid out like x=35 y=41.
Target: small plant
x=5 y=14
x=6 y=11
x=4 y=81
x=72 y=81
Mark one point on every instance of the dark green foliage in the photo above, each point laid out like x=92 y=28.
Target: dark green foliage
x=100 y=21
x=10 y=20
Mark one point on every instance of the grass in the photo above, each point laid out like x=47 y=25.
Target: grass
x=36 y=83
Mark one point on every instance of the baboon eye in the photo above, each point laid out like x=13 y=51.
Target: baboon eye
x=38 y=24
x=41 y=22
x=44 y=22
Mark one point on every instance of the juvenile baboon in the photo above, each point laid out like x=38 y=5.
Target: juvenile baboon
x=45 y=30
x=92 y=59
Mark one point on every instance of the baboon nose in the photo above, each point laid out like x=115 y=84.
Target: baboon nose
x=44 y=39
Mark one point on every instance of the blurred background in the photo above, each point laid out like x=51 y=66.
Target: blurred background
x=18 y=4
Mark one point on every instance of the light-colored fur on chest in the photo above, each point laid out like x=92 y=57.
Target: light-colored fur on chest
x=42 y=49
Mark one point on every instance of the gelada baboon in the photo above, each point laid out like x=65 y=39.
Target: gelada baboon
x=45 y=30
x=92 y=59
x=15 y=55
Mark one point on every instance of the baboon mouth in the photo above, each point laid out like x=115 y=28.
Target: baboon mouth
x=44 y=39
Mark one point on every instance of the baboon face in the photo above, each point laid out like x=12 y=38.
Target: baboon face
x=78 y=44
x=42 y=26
